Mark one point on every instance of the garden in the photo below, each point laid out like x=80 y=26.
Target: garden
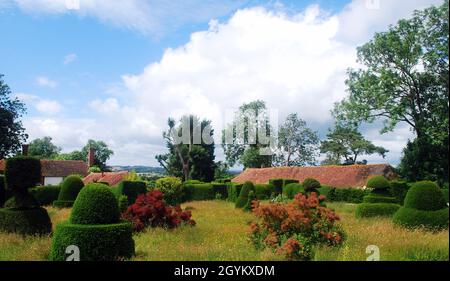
x=219 y=221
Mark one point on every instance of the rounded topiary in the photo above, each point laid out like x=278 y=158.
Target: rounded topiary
x=311 y=185
x=413 y=218
x=70 y=188
x=95 y=204
x=375 y=198
x=425 y=196
x=243 y=195
x=26 y=222
x=365 y=210
x=379 y=184
x=292 y=189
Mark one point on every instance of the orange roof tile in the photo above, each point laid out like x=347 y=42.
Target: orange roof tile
x=58 y=168
x=112 y=178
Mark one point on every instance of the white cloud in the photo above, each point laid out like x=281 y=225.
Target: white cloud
x=45 y=106
x=44 y=81
x=70 y=58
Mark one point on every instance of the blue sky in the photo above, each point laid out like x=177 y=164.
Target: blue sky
x=116 y=70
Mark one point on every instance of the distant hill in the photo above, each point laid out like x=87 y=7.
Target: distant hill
x=139 y=169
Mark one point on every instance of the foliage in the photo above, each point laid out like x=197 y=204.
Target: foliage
x=32 y=221
x=221 y=189
x=278 y=185
x=243 y=195
x=234 y=189
x=95 y=204
x=2 y=190
x=366 y=210
x=379 y=184
x=131 y=189
x=45 y=195
x=70 y=188
x=21 y=173
x=375 y=198
x=297 y=144
x=292 y=189
x=74 y=155
x=251 y=200
x=221 y=172
x=122 y=201
x=345 y=141
x=43 y=148
x=172 y=189
x=311 y=185
x=202 y=191
x=294 y=228
x=350 y=195
x=399 y=189
x=95 y=169
x=101 y=153
x=12 y=132
x=430 y=220
x=264 y=191
x=150 y=210
x=425 y=196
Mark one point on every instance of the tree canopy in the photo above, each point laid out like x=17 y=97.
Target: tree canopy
x=43 y=148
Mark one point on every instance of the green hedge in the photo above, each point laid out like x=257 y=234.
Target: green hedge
x=292 y=189
x=22 y=173
x=193 y=182
x=264 y=191
x=2 y=191
x=233 y=191
x=311 y=185
x=243 y=195
x=96 y=242
x=131 y=189
x=375 y=198
x=278 y=185
x=45 y=195
x=70 y=188
x=220 y=188
x=379 y=184
x=413 y=218
x=197 y=192
x=172 y=188
x=350 y=195
x=425 y=196
x=365 y=210
x=26 y=222
x=445 y=192
x=399 y=189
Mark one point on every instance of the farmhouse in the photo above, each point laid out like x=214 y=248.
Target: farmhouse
x=336 y=176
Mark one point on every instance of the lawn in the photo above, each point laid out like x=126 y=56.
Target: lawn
x=221 y=234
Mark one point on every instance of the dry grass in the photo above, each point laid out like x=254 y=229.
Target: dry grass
x=221 y=234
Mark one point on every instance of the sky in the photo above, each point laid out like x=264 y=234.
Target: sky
x=117 y=70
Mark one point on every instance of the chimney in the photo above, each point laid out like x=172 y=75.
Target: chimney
x=91 y=157
x=25 y=149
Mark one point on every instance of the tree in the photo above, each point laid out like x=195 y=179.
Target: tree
x=43 y=148
x=12 y=133
x=405 y=79
x=246 y=140
x=101 y=153
x=191 y=149
x=74 y=155
x=297 y=144
x=346 y=142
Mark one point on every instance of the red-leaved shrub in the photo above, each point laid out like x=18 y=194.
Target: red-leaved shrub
x=150 y=210
x=294 y=228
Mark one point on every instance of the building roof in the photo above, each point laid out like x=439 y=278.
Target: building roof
x=112 y=178
x=336 y=176
x=58 y=168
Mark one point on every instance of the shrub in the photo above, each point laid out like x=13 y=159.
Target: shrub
x=289 y=181
x=2 y=191
x=294 y=228
x=325 y=191
x=413 y=218
x=70 y=188
x=22 y=173
x=227 y=180
x=243 y=195
x=197 y=192
x=263 y=191
x=278 y=185
x=95 y=204
x=379 y=184
x=375 y=198
x=311 y=185
x=398 y=189
x=292 y=189
x=131 y=189
x=250 y=201
x=172 y=189
x=425 y=196
x=365 y=210
x=221 y=189
x=192 y=182
x=122 y=201
x=151 y=211
x=445 y=192
x=45 y=195
x=233 y=192
x=33 y=221
x=350 y=195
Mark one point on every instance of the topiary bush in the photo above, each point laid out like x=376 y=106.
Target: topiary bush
x=45 y=195
x=366 y=210
x=22 y=173
x=424 y=206
x=250 y=201
x=289 y=181
x=263 y=191
x=34 y=221
x=2 y=191
x=399 y=189
x=292 y=189
x=198 y=192
x=379 y=184
x=311 y=185
x=221 y=189
x=350 y=195
x=375 y=198
x=94 y=227
x=233 y=192
x=243 y=195
x=131 y=189
x=445 y=192
x=192 y=182
x=172 y=188
x=70 y=188
x=278 y=185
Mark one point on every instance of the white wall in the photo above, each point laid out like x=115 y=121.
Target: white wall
x=53 y=180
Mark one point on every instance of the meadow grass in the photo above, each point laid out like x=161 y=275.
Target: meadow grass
x=221 y=234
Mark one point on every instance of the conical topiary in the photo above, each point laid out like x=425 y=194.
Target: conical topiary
x=70 y=188
x=243 y=195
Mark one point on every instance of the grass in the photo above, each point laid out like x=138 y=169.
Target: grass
x=221 y=234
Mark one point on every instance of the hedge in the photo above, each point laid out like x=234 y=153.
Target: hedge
x=220 y=188
x=196 y=192
x=350 y=195
x=365 y=210
x=172 y=188
x=243 y=195
x=45 y=195
x=292 y=189
x=425 y=196
x=379 y=184
x=96 y=242
x=233 y=191
x=278 y=185
x=22 y=173
x=70 y=188
x=413 y=218
x=399 y=189
x=311 y=185
x=445 y=192
x=2 y=191
x=264 y=191
x=131 y=189
x=375 y=198
x=26 y=222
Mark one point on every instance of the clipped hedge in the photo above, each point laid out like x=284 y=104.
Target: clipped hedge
x=131 y=189
x=445 y=193
x=196 y=192
x=375 y=198
x=220 y=188
x=2 y=191
x=366 y=210
x=263 y=191
x=70 y=188
x=243 y=195
x=21 y=173
x=399 y=189
x=311 y=185
x=96 y=242
x=292 y=189
x=45 y=195
x=26 y=222
x=172 y=188
x=379 y=184
x=413 y=218
x=193 y=182
x=350 y=195
x=289 y=181
x=233 y=191
x=425 y=196
x=278 y=185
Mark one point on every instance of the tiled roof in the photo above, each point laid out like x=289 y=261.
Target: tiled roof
x=58 y=168
x=336 y=176
x=112 y=178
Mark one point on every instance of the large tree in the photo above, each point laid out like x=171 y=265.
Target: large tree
x=191 y=149
x=247 y=139
x=74 y=155
x=101 y=153
x=43 y=148
x=347 y=143
x=297 y=144
x=12 y=133
x=405 y=78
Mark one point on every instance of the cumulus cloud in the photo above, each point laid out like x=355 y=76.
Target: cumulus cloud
x=44 y=81
x=44 y=106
